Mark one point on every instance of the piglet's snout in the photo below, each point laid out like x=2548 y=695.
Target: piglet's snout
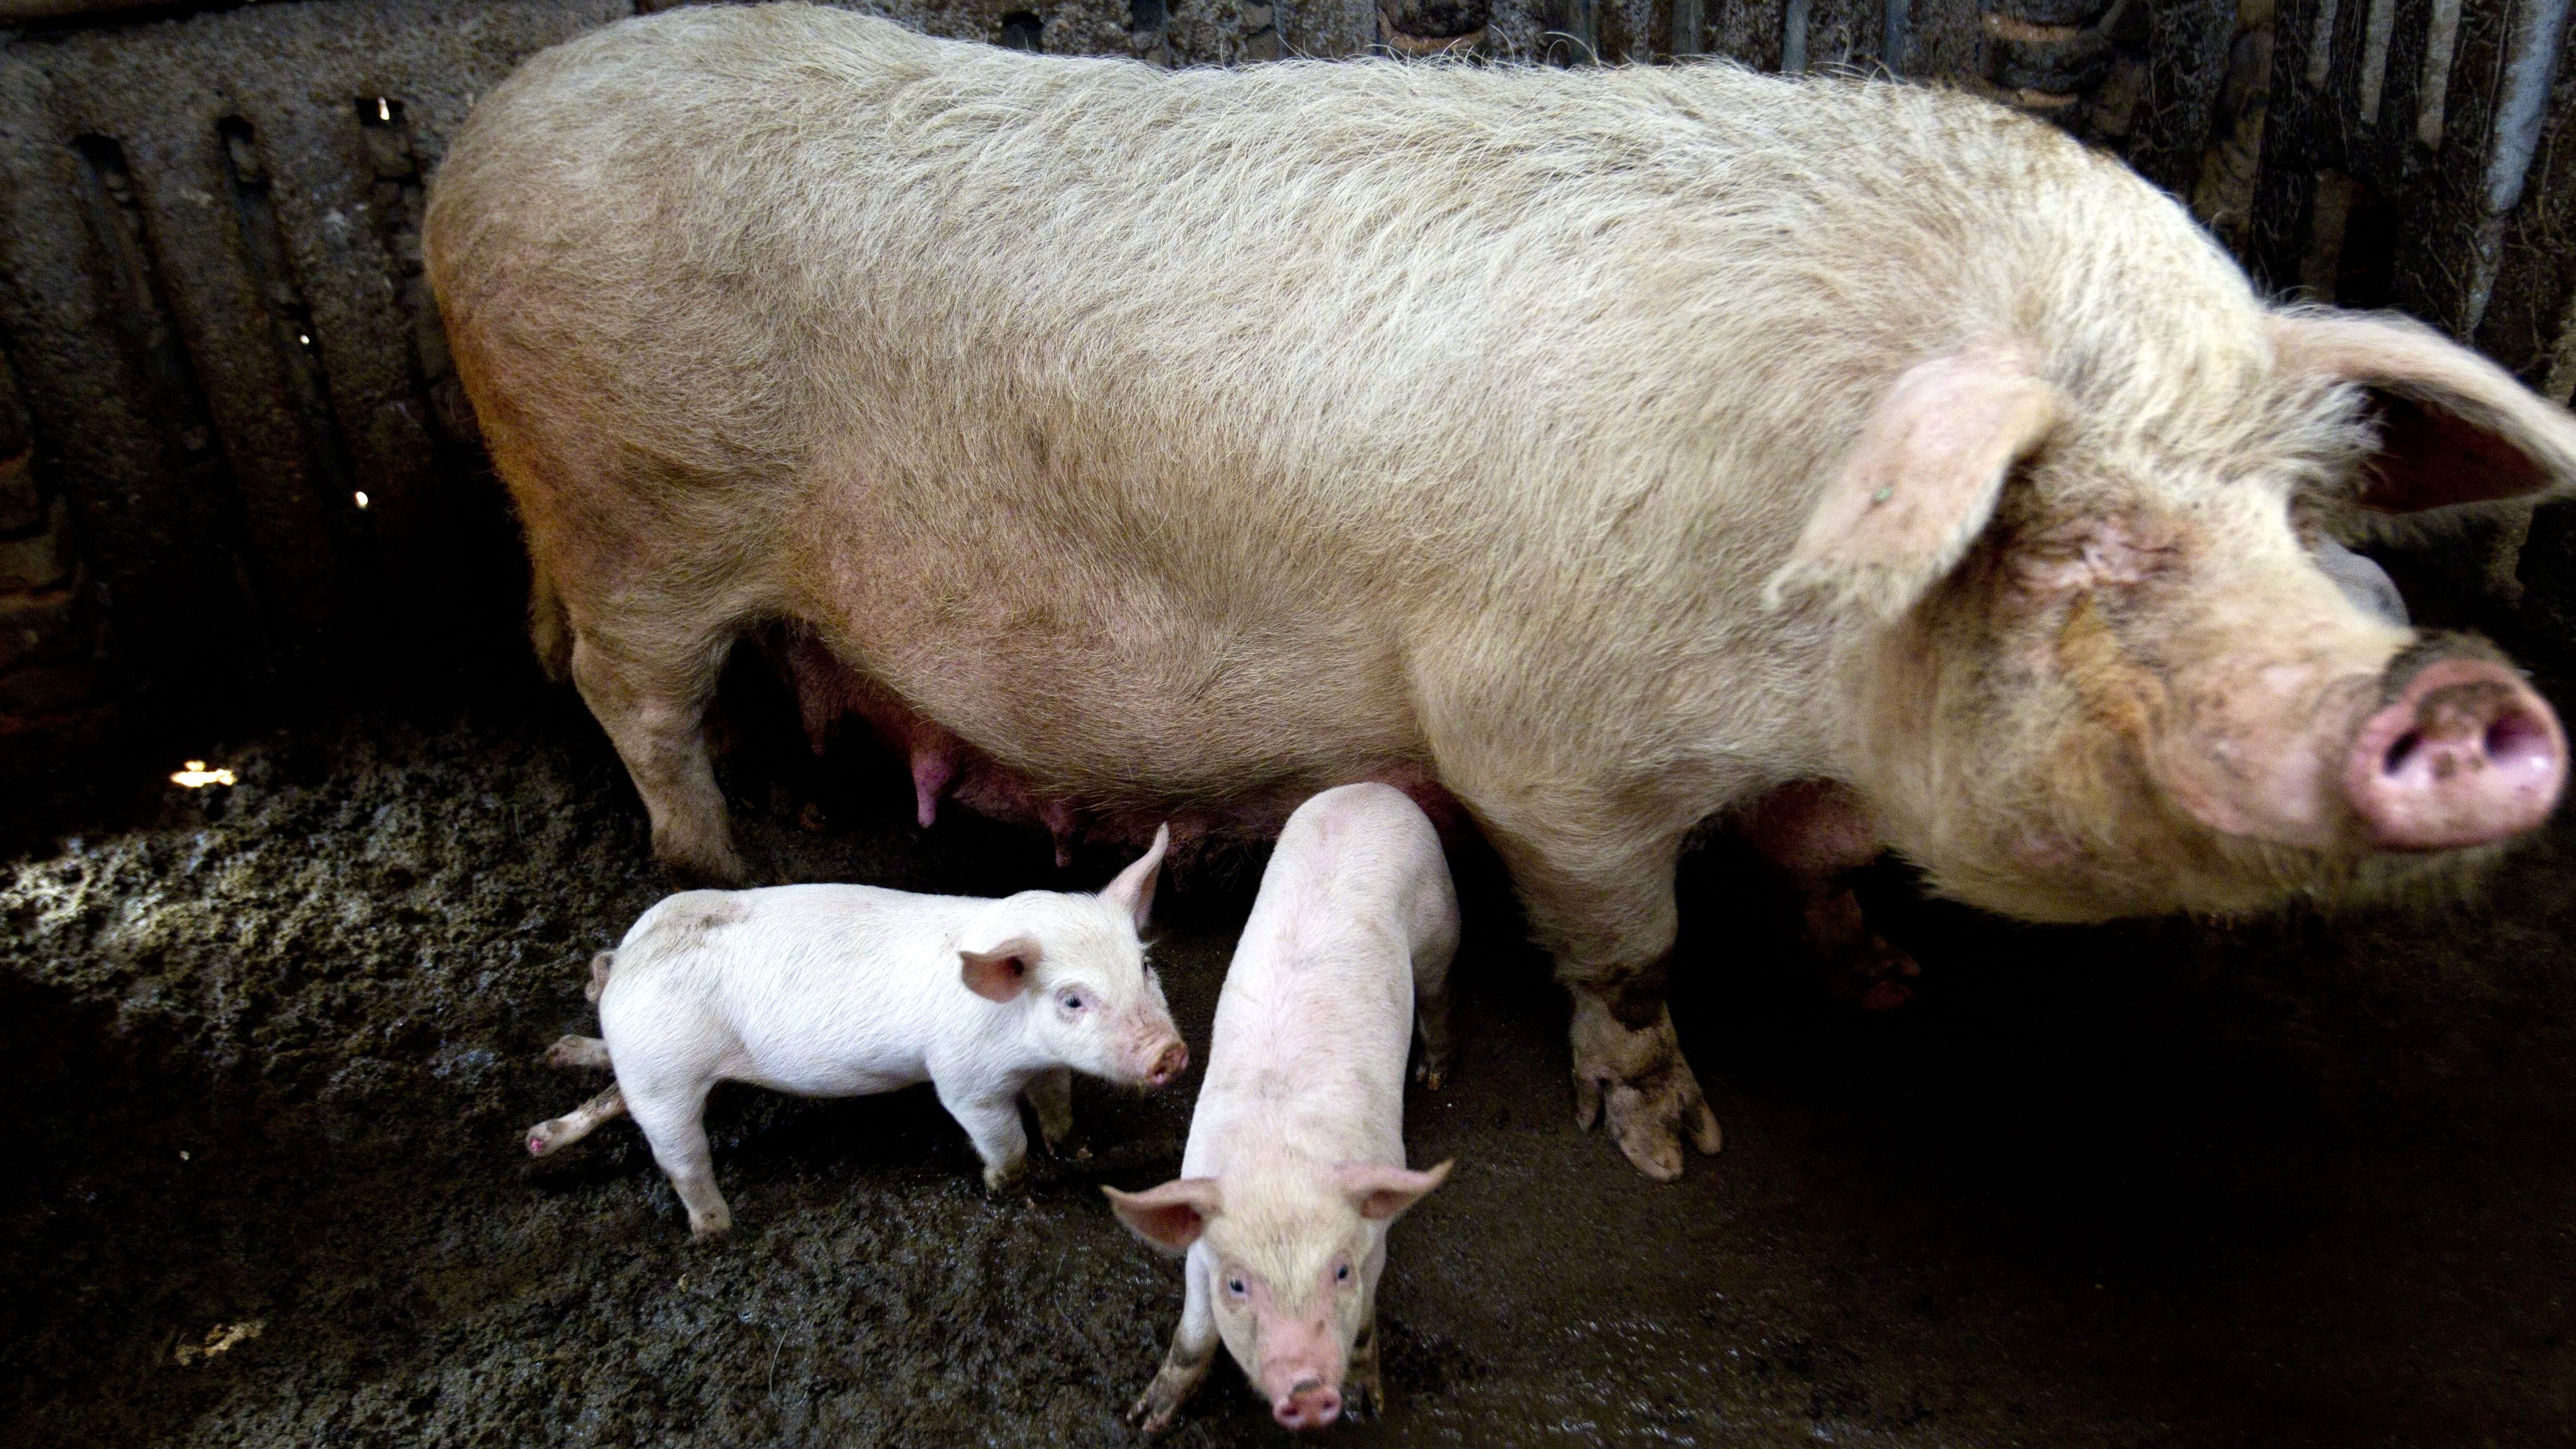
x=2464 y=754
x=1312 y=1404
x=1167 y=1064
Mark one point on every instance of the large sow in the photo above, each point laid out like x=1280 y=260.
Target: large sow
x=1612 y=448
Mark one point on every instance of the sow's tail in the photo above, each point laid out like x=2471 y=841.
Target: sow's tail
x=548 y=629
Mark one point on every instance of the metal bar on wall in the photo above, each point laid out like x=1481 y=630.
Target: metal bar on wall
x=2187 y=42
x=2504 y=62
x=2525 y=325
x=2285 y=183
x=2395 y=154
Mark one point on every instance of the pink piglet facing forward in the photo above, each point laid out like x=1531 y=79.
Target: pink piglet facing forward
x=1295 y=1163
x=848 y=990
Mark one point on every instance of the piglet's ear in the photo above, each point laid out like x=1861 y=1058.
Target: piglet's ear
x=1134 y=888
x=1172 y=1216
x=1001 y=973
x=1380 y=1192
x=1919 y=486
x=2453 y=427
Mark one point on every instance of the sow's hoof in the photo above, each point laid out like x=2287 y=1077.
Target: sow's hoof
x=700 y=859
x=1870 y=976
x=1640 y=1077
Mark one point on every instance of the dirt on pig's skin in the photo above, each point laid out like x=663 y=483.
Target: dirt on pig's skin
x=269 y=1052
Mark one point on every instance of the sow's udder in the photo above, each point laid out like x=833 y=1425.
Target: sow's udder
x=2462 y=752
x=946 y=768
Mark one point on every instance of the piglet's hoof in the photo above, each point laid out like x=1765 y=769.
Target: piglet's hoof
x=999 y=1180
x=1065 y=1145
x=1154 y=1409
x=713 y=1225
x=1639 y=1077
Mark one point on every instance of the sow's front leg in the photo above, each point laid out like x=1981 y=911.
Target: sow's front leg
x=1606 y=910
x=1816 y=834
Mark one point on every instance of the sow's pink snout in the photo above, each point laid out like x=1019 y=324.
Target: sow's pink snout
x=2464 y=753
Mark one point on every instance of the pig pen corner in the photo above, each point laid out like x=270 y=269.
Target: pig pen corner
x=304 y=866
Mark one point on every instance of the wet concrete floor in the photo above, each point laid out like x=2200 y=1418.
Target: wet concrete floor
x=268 y=1053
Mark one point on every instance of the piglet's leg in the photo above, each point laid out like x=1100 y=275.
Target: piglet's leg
x=578 y=1051
x=1431 y=1022
x=993 y=1122
x=1193 y=1349
x=576 y=1124
x=1050 y=1094
x=675 y=1123
x=1363 y=1394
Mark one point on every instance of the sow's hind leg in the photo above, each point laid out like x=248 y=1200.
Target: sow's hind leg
x=649 y=689
x=1604 y=906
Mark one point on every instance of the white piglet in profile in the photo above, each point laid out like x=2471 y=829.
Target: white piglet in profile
x=1295 y=1164
x=847 y=990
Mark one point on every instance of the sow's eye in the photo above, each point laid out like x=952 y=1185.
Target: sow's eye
x=1234 y=1286
x=1341 y=1272
x=1071 y=999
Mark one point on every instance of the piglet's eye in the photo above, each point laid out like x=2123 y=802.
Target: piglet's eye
x=1342 y=1273
x=1234 y=1286
x=1072 y=1001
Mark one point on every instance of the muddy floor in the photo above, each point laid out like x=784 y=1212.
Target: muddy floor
x=268 y=1052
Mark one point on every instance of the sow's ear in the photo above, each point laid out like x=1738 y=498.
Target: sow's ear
x=2453 y=427
x=1921 y=483
x=1001 y=973
x=1134 y=888
x=1170 y=1217
x=1379 y=1192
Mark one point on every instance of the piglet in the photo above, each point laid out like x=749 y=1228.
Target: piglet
x=1295 y=1163
x=845 y=990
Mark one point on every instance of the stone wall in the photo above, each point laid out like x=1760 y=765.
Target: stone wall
x=51 y=683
